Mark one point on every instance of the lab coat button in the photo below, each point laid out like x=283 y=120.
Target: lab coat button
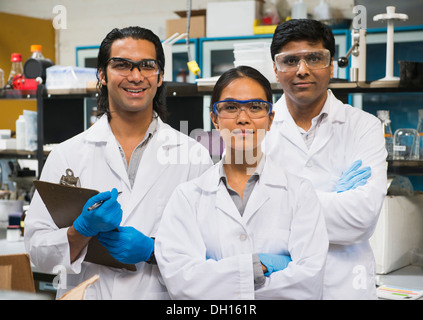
x=243 y=237
x=309 y=164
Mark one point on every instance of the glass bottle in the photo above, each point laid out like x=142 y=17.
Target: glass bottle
x=383 y=115
x=406 y=146
x=420 y=131
x=16 y=70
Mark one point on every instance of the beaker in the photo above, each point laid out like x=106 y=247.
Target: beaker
x=406 y=146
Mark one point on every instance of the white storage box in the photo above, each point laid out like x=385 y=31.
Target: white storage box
x=398 y=232
x=232 y=18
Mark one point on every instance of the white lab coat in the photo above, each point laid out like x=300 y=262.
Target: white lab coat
x=346 y=135
x=204 y=246
x=169 y=159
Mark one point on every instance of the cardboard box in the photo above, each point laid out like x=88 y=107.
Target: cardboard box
x=399 y=230
x=232 y=18
x=20 y=276
x=197 y=26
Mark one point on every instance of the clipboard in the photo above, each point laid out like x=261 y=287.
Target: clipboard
x=65 y=203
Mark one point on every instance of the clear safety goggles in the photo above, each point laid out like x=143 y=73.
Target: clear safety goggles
x=124 y=67
x=314 y=59
x=230 y=109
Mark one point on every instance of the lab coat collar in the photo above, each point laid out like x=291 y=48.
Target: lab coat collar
x=272 y=175
x=331 y=107
x=100 y=131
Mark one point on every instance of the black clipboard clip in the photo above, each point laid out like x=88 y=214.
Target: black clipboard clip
x=70 y=179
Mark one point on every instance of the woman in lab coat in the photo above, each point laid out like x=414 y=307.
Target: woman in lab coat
x=232 y=233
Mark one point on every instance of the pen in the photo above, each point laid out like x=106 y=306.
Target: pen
x=97 y=204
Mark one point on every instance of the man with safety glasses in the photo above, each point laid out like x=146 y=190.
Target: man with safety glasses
x=125 y=150
x=339 y=148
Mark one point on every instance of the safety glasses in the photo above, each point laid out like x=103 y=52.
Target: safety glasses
x=124 y=67
x=230 y=109
x=314 y=59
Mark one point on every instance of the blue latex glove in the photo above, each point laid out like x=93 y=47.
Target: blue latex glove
x=274 y=262
x=353 y=177
x=128 y=245
x=105 y=218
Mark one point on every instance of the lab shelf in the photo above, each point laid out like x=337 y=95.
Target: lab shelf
x=405 y=167
x=19 y=154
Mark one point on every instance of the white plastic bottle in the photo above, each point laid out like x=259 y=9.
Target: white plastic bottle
x=299 y=10
x=21 y=133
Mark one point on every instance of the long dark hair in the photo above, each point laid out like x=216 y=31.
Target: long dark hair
x=240 y=72
x=137 y=33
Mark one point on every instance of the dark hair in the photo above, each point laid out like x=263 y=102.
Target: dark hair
x=302 y=29
x=236 y=73
x=137 y=33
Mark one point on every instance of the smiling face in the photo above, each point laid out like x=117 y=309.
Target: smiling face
x=133 y=92
x=305 y=87
x=242 y=133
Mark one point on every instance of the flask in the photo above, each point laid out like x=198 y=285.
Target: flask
x=420 y=131
x=406 y=145
x=383 y=115
x=16 y=70
x=21 y=133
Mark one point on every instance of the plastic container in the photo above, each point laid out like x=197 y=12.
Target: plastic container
x=299 y=10
x=21 y=133
x=13 y=233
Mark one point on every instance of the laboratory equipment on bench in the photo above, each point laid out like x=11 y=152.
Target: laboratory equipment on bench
x=358 y=56
x=390 y=16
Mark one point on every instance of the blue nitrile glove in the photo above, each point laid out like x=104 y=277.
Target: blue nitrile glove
x=353 y=177
x=274 y=262
x=105 y=218
x=128 y=245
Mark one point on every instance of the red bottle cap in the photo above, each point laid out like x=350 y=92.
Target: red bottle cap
x=16 y=57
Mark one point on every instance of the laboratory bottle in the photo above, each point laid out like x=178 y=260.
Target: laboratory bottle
x=16 y=70
x=383 y=115
x=21 y=133
x=420 y=131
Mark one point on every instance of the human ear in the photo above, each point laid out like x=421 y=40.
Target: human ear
x=102 y=77
x=276 y=72
x=214 y=119
x=271 y=117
